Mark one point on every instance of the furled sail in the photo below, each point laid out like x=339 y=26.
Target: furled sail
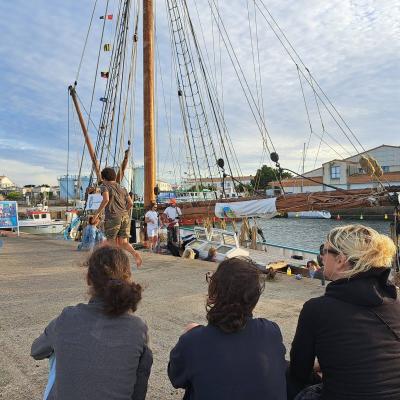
x=251 y=208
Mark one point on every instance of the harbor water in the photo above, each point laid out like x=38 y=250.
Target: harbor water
x=309 y=234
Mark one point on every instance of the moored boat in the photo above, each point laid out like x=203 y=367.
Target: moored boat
x=38 y=221
x=314 y=214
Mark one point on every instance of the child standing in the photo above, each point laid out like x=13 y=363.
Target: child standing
x=151 y=219
x=92 y=236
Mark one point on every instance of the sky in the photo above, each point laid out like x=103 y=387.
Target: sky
x=351 y=48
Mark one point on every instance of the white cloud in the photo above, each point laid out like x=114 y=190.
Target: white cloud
x=352 y=47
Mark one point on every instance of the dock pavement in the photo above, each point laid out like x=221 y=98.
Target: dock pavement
x=40 y=276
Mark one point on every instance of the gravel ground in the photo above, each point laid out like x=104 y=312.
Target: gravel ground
x=41 y=276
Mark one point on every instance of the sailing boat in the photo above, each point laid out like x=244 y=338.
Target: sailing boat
x=199 y=105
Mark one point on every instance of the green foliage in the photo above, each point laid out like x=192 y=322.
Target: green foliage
x=201 y=188
x=241 y=188
x=14 y=196
x=265 y=175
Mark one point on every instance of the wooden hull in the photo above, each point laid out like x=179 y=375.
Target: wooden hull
x=330 y=200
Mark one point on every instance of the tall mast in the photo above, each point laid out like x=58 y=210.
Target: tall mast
x=89 y=144
x=148 y=103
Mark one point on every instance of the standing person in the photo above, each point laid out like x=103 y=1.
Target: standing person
x=353 y=330
x=151 y=219
x=101 y=348
x=235 y=356
x=116 y=203
x=172 y=214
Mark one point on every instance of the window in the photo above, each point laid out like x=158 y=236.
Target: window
x=335 y=172
x=385 y=168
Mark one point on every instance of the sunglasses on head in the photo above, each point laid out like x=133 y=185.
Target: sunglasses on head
x=326 y=250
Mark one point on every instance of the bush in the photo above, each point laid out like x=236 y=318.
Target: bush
x=14 y=196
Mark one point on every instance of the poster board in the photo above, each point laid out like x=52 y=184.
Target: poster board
x=9 y=215
x=94 y=201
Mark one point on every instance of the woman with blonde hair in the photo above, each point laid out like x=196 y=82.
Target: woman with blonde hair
x=351 y=334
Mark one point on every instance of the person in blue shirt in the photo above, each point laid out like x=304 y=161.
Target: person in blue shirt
x=91 y=236
x=235 y=356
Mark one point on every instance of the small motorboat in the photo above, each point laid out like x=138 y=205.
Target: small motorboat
x=310 y=214
x=38 y=221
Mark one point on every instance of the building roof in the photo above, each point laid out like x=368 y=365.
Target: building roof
x=298 y=182
x=364 y=178
x=218 y=179
x=358 y=178
x=374 y=148
x=344 y=160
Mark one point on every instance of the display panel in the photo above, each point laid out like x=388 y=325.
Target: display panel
x=196 y=244
x=229 y=239
x=216 y=237
x=224 y=249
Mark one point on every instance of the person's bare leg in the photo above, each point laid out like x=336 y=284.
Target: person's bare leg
x=124 y=244
x=155 y=243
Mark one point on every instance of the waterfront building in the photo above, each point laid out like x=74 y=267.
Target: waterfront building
x=72 y=187
x=348 y=173
x=5 y=182
x=138 y=183
x=218 y=184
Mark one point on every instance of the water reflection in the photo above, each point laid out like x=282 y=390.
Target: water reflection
x=308 y=234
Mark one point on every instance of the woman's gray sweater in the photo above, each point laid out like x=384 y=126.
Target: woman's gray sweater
x=98 y=357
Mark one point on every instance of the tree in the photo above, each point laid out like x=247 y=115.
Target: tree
x=265 y=175
x=14 y=196
x=241 y=188
x=200 y=188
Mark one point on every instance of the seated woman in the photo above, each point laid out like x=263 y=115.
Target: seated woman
x=354 y=329
x=235 y=356
x=314 y=270
x=212 y=254
x=101 y=348
x=189 y=254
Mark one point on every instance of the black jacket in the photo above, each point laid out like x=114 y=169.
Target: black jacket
x=245 y=365
x=354 y=331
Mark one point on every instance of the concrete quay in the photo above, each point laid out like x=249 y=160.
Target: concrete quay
x=40 y=276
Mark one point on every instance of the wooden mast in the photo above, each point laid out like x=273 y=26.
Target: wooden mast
x=148 y=103
x=89 y=145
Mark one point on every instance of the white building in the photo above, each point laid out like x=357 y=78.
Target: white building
x=230 y=185
x=348 y=173
x=5 y=182
x=138 y=183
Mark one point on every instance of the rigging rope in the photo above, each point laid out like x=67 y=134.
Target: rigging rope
x=305 y=77
x=86 y=40
x=242 y=79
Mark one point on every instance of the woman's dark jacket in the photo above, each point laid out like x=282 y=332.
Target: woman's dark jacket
x=97 y=357
x=213 y=365
x=354 y=331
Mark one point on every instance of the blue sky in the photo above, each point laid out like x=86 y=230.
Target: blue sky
x=351 y=47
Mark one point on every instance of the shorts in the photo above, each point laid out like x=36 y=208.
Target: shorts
x=117 y=227
x=152 y=232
